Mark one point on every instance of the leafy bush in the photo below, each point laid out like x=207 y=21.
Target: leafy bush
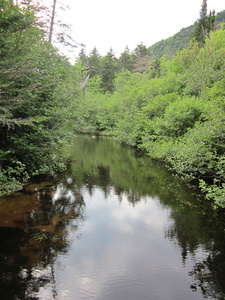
x=179 y=116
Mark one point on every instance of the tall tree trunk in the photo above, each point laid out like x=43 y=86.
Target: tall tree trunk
x=52 y=22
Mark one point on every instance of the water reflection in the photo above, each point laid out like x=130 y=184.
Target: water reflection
x=32 y=234
x=117 y=226
x=201 y=233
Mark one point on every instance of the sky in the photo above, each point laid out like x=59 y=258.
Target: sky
x=116 y=24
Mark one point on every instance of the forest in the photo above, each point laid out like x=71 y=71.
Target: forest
x=171 y=107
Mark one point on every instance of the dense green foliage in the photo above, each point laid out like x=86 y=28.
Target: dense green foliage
x=172 y=109
x=33 y=112
x=106 y=67
x=176 y=115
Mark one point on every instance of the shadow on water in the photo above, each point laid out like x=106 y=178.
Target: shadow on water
x=35 y=223
x=32 y=233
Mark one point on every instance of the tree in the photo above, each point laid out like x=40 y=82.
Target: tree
x=142 y=64
x=52 y=21
x=203 y=12
x=62 y=33
x=16 y=35
x=94 y=63
x=55 y=31
x=41 y=13
x=126 y=60
x=82 y=56
x=204 y=25
x=32 y=117
x=109 y=66
x=142 y=59
x=141 y=50
x=155 y=68
x=212 y=21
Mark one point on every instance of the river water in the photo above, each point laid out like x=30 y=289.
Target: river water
x=115 y=226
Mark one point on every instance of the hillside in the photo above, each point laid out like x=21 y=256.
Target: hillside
x=179 y=40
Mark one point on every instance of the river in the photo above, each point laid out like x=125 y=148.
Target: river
x=115 y=226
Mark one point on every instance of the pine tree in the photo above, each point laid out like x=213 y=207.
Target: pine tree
x=83 y=57
x=204 y=25
x=109 y=66
x=94 y=63
x=203 y=12
x=141 y=50
x=126 y=60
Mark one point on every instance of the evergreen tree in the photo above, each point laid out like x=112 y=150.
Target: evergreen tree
x=109 y=66
x=126 y=60
x=212 y=21
x=203 y=12
x=94 y=63
x=155 y=68
x=82 y=57
x=204 y=25
x=141 y=50
x=32 y=115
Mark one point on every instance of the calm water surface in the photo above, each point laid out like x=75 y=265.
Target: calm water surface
x=116 y=226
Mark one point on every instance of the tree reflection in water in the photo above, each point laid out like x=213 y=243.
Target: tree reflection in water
x=194 y=231
x=194 y=225
x=31 y=236
x=36 y=224
x=209 y=276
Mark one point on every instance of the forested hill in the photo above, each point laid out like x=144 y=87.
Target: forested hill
x=179 y=40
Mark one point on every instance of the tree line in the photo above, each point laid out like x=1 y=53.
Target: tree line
x=171 y=108
x=106 y=67
x=142 y=59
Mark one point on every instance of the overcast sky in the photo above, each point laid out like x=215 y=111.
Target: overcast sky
x=120 y=23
